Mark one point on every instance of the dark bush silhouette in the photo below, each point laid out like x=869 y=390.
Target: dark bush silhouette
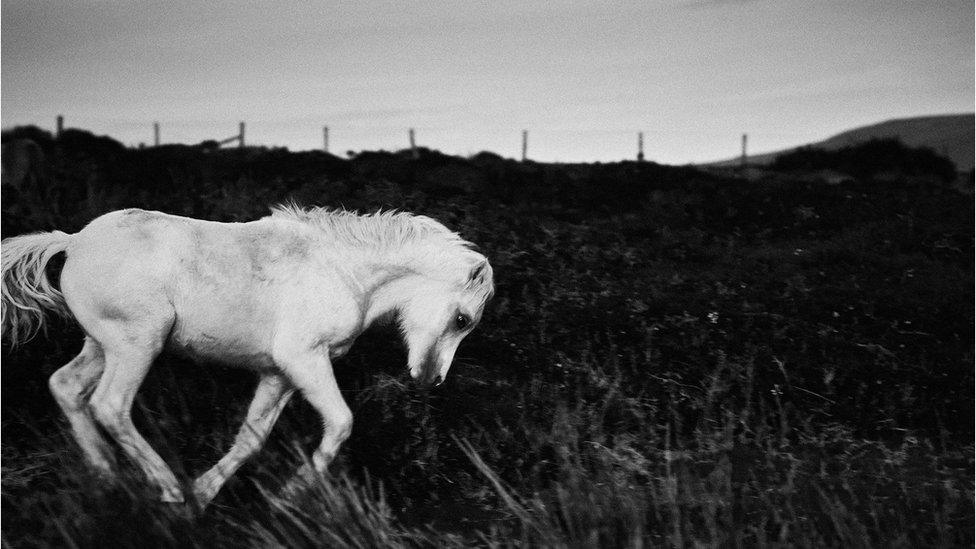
x=35 y=134
x=84 y=142
x=880 y=158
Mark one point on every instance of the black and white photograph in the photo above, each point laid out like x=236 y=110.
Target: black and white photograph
x=568 y=274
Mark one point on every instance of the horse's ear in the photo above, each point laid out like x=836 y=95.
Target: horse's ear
x=478 y=272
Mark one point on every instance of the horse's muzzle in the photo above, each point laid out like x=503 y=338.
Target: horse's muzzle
x=429 y=375
x=432 y=379
x=429 y=372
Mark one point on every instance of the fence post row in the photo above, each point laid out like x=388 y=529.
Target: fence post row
x=743 y=160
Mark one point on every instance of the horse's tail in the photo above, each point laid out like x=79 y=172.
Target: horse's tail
x=26 y=291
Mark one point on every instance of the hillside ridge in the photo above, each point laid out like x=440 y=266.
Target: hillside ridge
x=951 y=135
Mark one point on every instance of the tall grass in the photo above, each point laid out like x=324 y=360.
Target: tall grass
x=704 y=365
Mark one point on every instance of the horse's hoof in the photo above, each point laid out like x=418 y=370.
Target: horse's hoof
x=171 y=496
x=297 y=485
x=202 y=498
x=103 y=468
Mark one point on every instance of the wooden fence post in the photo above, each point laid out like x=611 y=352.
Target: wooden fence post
x=743 y=161
x=156 y=133
x=413 y=145
x=60 y=125
x=325 y=138
x=525 y=145
x=640 y=146
x=242 y=136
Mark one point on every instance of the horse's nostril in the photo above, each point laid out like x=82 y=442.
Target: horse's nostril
x=438 y=380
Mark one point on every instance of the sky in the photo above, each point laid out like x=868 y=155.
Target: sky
x=583 y=78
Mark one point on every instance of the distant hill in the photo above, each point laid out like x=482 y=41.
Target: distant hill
x=949 y=135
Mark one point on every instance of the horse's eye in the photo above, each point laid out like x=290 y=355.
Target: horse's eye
x=461 y=321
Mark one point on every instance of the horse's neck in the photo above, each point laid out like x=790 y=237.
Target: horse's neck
x=386 y=279
x=387 y=298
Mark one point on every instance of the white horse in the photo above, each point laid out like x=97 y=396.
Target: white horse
x=283 y=295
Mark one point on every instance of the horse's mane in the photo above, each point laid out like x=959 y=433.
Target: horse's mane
x=390 y=229
x=383 y=228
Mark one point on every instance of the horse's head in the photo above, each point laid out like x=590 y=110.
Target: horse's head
x=439 y=314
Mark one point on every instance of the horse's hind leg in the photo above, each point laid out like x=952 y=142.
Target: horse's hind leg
x=71 y=386
x=126 y=366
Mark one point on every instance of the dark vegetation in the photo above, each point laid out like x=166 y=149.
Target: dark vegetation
x=877 y=159
x=672 y=359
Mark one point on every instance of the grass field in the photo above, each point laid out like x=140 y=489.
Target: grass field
x=671 y=359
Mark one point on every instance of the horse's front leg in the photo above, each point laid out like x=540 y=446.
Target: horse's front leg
x=270 y=397
x=311 y=373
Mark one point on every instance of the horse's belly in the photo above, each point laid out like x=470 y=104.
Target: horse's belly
x=222 y=341
x=232 y=353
